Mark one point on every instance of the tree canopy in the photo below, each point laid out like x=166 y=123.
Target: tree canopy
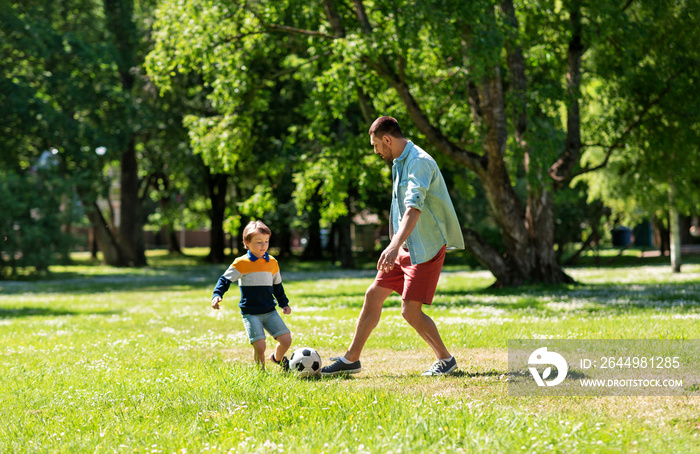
x=236 y=109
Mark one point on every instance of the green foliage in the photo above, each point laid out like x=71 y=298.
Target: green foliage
x=56 y=82
x=35 y=207
x=245 y=87
x=71 y=80
x=270 y=93
x=648 y=75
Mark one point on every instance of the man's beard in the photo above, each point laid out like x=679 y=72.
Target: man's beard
x=387 y=157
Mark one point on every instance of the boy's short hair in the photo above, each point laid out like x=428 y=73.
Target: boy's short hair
x=385 y=125
x=253 y=228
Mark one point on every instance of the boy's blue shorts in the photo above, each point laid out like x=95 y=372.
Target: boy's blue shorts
x=271 y=322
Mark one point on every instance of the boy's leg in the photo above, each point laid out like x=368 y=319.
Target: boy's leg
x=274 y=325
x=284 y=341
x=259 y=347
x=369 y=318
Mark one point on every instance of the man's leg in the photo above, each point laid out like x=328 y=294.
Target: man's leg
x=412 y=312
x=368 y=319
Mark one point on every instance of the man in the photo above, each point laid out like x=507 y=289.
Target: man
x=423 y=224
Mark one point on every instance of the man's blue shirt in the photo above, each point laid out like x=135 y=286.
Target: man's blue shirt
x=418 y=183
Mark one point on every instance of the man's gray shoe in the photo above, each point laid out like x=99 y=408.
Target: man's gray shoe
x=442 y=367
x=339 y=367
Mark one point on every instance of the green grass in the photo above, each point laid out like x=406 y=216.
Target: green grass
x=98 y=359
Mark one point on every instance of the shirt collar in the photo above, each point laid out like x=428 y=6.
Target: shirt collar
x=405 y=152
x=253 y=258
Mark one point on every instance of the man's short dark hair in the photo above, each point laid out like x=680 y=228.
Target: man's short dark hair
x=385 y=125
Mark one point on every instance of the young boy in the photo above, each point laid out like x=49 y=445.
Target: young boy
x=258 y=276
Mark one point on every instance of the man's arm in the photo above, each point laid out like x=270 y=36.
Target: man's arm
x=408 y=223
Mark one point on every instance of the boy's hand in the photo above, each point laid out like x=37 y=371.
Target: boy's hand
x=215 y=302
x=286 y=310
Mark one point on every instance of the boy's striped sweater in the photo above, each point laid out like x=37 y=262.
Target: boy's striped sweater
x=260 y=282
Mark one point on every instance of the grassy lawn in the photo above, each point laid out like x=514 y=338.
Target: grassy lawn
x=98 y=359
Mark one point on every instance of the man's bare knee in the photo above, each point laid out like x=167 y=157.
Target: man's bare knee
x=411 y=313
x=374 y=298
x=376 y=293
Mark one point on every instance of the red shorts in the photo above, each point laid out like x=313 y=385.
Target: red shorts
x=413 y=282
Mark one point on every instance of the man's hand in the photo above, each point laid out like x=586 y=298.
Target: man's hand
x=387 y=259
x=286 y=310
x=215 y=302
x=408 y=222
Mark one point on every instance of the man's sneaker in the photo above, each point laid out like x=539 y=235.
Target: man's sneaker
x=284 y=362
x=442 y=367
x=339 y=367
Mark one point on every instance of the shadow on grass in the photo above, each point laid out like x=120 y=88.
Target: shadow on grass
x=46 y=312
x=144 y=279
x=456 y=374
x=612 y=298
x=107 y=280
x=490 y=373
x=185 y=273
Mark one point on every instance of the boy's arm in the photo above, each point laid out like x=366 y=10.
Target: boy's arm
x=280 y=296
x=223 y=285
x=278 y=291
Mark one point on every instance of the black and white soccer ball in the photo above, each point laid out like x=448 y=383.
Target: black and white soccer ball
x=306 y=362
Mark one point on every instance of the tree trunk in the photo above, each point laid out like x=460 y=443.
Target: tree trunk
x=344 y=225
x=661 y=235
x=675 y=229
x=240 y=247
x=173 y=242
x=94 y=247
x=528 y=236
x=284 y=241
x=314 y=249
x=131 y=237
x=217 y=185
x=120 y=22
x=105 y=239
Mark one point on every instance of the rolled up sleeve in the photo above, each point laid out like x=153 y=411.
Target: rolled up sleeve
x=418 y=178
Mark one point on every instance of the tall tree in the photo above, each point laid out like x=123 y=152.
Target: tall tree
x=128 y=53
x=76 y=63
x=252 y=97
x=56 y=83
x=654 y=171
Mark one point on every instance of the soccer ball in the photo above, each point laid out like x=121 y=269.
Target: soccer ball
x=306 y=362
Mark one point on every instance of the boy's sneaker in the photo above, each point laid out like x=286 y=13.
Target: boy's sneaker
x=284 y=362
x=339 y=367
x=442 y=367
